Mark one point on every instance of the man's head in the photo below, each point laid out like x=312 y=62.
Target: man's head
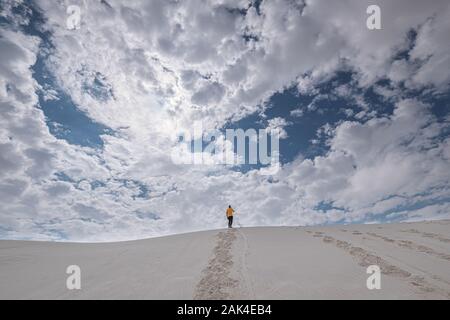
x=229 y=206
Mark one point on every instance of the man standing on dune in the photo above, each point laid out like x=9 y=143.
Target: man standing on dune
x=230 y=212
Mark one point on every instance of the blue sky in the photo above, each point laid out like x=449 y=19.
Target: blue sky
x=90 y=116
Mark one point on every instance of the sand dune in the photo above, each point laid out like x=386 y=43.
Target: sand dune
x=243 y=263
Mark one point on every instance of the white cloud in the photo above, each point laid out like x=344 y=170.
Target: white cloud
x=297 y=113
x=372 y=161
x=278 y=124
x=169 y=64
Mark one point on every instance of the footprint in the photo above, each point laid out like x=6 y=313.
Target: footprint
x=318 y=234
x=327 y=239
x=428 y=235
x=381 y=237
x=365 y=258
x=216 y=282
x=413 y=246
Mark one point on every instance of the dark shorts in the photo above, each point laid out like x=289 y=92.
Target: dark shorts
x=230 y=221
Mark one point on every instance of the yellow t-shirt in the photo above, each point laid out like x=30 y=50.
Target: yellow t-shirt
x=230 y=212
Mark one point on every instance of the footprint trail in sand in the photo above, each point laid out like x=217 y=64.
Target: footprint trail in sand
x=366 y=258
x=216 y=281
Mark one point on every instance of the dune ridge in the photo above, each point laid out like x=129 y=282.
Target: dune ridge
x=242 y=263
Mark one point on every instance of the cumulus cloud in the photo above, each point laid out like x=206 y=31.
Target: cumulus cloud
x=278 y=124
x=379 y=160
x=149 y=69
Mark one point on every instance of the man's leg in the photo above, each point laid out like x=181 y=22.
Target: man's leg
x=231 y=222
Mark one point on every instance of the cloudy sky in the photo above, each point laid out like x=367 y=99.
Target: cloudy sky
x=89 y=115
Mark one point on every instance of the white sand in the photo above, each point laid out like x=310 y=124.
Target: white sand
x=246 y=263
